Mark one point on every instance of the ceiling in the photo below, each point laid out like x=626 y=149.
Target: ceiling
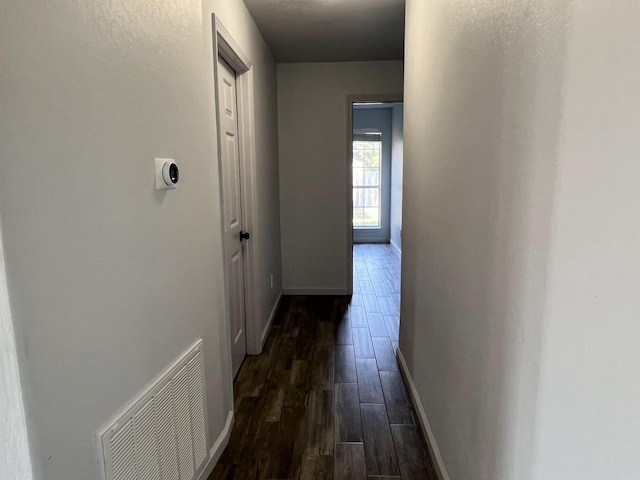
x=331 y=30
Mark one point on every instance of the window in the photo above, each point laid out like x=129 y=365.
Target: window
x=366 y=164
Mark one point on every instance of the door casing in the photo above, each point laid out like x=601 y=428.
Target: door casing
x=225 y=47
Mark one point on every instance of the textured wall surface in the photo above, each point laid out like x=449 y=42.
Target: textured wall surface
x=110 y=279
x=483 y=87
x=589 y=399
x=521 y=229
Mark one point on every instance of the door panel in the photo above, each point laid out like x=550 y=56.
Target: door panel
x=232 y=211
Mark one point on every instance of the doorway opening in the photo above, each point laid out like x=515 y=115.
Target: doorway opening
x=376 y=157
x=376 y=164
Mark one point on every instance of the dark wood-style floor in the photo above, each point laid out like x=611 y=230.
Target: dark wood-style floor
x=326 y=399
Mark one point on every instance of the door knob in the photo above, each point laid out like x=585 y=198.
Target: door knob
x=244 y=235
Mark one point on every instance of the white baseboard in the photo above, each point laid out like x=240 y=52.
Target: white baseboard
x=393 y=244
x=315 y=291
x=218 y=447
x=272 y=315
x=441 y=470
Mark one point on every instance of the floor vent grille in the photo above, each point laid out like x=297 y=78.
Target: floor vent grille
x=161 y=435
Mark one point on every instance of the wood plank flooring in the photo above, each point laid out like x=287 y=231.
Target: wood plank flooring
x=326 y=399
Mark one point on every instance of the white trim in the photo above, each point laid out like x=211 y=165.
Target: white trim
x=218 y=447
x=229 y=49
x=253 y=314
x=441 y=470
x=349 y=199
x=316 y=291
x=272 y=315
x=393 y=244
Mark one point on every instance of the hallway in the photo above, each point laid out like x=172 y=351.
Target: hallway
x=326 y=399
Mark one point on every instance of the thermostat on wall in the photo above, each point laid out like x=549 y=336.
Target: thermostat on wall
x=167 y=173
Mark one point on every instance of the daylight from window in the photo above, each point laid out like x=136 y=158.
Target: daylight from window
x=366 y=183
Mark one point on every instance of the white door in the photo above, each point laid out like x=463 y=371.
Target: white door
x=232 y=210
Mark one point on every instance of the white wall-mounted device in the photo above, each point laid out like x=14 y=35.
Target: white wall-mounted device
x=167 y=173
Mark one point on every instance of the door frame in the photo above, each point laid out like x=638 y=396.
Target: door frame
x=351 y=99
x=225 y=46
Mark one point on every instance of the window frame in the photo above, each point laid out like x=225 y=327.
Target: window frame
x=369 y=137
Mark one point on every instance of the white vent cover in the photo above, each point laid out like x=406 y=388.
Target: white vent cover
x=161 y=435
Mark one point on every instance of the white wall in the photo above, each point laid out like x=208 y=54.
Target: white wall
x=15 y=461
x=589 y=416
x=110 y=279
x=312 y=131
x=483 y=84
x=396 y=174
x=520 y=260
